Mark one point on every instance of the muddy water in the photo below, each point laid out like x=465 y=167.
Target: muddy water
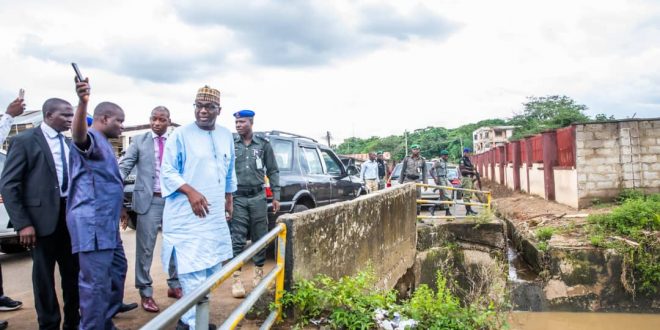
x=583 y=321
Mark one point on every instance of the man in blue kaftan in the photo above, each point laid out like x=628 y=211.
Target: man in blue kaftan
x=93 y=210
x=197 y=181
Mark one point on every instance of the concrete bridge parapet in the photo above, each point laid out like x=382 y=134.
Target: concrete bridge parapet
x=377 y=230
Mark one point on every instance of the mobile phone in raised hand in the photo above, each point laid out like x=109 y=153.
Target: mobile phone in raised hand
x=21 y=94
x=78 y=74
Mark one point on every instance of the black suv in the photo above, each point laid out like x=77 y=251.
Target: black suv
x=311 y=175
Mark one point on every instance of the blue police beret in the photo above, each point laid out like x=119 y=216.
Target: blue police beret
x=467 y=150
x=244 y=114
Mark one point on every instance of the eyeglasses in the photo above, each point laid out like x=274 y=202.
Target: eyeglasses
x=208 y=106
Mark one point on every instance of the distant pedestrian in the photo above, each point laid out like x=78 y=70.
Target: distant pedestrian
x=439 y=174
x=382 y=170
x=35 y=184
x=467 y=182
x=369 y=173
x=197 y=181
x=255 y=160
x=94 y=209
x=414 y=170
x=146 y=152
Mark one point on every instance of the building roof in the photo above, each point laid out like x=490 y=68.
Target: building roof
x=28 y=117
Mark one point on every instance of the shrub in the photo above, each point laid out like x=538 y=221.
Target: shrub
x=351 y=302
x=627 y=194
x=637 y=219
x=544 y=234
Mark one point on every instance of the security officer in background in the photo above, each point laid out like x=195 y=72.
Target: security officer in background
x=254 y=160
x=414 y=170
x=467 y=172
x=439 y=174
x=382 y=170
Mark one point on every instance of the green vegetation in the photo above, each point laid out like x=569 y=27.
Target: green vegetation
x=543 y=246
x=545 y=234
x=547 y=112
x=351 y=302
x=431 y=140
x=632 y=229
x=538 y=114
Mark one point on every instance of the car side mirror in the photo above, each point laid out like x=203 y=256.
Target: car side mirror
x=352 y=170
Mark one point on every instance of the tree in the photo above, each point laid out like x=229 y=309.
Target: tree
x=547 y=112
x=603 y=117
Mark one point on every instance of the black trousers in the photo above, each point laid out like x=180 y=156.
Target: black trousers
x=51 y=249
x=2 y=291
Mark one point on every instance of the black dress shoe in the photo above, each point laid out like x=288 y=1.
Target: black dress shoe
x=125 y=308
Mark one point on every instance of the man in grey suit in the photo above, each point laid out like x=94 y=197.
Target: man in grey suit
x=146 y=152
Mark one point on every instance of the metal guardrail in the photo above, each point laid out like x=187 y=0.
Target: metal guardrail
x=198 y=298
x=487 y=205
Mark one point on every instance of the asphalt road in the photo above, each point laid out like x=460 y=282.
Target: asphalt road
x=17 y=275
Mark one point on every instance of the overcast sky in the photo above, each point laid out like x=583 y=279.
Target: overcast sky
x=354 y=68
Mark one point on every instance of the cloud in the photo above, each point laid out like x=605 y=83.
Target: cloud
x=141 y=59
x=304 y=33
x=420 y=22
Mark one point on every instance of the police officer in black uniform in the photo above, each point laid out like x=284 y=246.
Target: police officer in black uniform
x=254 y=161
x=382 y=170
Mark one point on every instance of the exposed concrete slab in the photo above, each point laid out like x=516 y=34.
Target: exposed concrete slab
x=438 y=233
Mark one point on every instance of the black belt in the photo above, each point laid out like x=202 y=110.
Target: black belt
x=248 y=191
x=412 y=177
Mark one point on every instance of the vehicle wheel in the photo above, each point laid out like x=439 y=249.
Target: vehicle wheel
x=300 y=208
x=12 y=248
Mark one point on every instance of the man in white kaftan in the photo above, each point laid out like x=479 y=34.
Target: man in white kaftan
x=197 y=179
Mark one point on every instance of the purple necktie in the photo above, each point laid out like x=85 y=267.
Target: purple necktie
x=160 y=150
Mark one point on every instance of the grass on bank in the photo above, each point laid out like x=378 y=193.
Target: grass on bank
x=632 y=229
x=351 y=302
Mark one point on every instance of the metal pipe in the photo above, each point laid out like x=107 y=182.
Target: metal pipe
x=174 y=312
x=279 y=284
x=452 y=188
x=272 y=317
x=426 y=201
x=239 y=312
x=202 y=314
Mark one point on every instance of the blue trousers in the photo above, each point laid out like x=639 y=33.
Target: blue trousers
x=190 y=282
x=101 y=286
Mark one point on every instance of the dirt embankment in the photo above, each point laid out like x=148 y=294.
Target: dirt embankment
x=530 y=213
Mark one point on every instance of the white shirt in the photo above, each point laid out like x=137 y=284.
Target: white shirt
x=156 y=162
x=369 y=170
x=5 y=126
x=54 y=143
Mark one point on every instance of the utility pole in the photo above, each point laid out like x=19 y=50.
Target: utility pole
x=329 y=137
x=405 y=138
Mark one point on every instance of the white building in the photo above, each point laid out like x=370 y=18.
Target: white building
x=486 y=138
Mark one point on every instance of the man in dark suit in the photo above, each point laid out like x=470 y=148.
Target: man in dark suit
x=34 y=185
